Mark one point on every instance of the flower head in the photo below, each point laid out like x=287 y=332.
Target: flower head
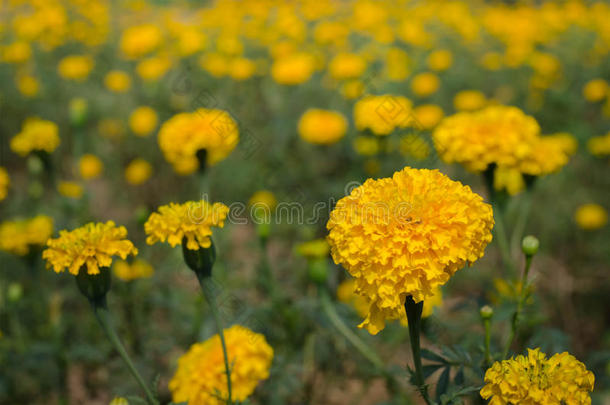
x=200 y=378
x=5 y=182
x=293 y=69
x=425 y=84
x=536 y=380
x=20 y=236
x=36 y=135
x=322 y=127
x=91 y=245
x=90 y=166
x=382 y=114
x=591 y=216
x=313 y=249
x=599 y=145
x=140 y=40
x=75 y=67
x=117 y=81
x=191 y=220
x=185 y=134
x=70 y=189
x=138 y=171
x=143 y=120
x=127 y=272
x=407 y=235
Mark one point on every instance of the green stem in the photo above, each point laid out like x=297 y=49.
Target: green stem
x=500 y=232
x=520 y=303
x=414 y=311
x=487 y=325
x=521 y=221
x=103 y=316
x=338 y=323
x=207 y=289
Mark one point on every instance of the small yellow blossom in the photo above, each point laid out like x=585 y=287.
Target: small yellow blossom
x=70 y=189
x=5 y=182
x=154 y=68
x=140 y=40
x=293 y=69
x=427 y=116
x=425 y=84
x=92 y=245
x=599 y=145
x=366 y=145
x=17 y=52
x=119 y=401
x=117 y=81
x=27 y=85
x=591 y=216
x=314 y=249
x=128 y=272
x=201 y=379
x=75 y=67
x=440 y=60
x=595 y=90
x=192 y=221
x=143 y=120
x=322 y=127
x=138 y=171
x=36 y=135
x=469 y=100
x=90 y=166
x=263 y=199
x=382 y=114
x=241 y=68
x=347 y=66
x=397 y=64
x=21 y=236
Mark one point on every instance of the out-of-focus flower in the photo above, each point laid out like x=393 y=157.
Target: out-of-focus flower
x=111 y=128
x=440 y=60
x=36 y=135
x=119 y=401
x=75 y=67
x=382 y=114
x=21 y=236
x=427 y=116
x=117 y=81
x=314 y=249
x=5 y=182
x=17 y=52
x=201 y=379
x=537 y=380
x=90 y=166
x=154 y=68
x=469 y=100
x=293 y=69
x=27 y=85
x=323 y=127
x=347 y=66
x=591 y=216
x=425 y=84
x=421 y=212
x=599 y=145
x=70 y=189
x=185 y=134
x=140 y=40
x=263 y=199
x=91 y=245
x=414 y=146
x=78 y=109
x=143 y=120
x=595 y=90
x=509 y=179
x=137 y=269
x=352 y=89
x=138 y=171
x=366 y=145
x=192 y=221
x=216 y=64
x=241 y=68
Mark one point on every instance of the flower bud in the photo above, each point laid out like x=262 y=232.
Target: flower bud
x=119 y=401
x=94 y=286
x=200 y=261
x=486 y=312
x=530 y=245
x=263 y=229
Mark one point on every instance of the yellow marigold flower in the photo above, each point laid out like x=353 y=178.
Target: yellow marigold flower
x=427 y=116
x=143 y=120
x=414 y=146
x=183 y=135
x=36 y=135
x=425 y=84
x=17 y=52
x=241 y=68
x=366 y=145
x=75 y=67
x=322 y=127
x=128 y=272
x=293 y=69
x=20 y=236
x=407 y=235
x=566 y=141
x=27 y=85
x=347 y=66
x=119 y=401
x=152 y=69
x=397 y=64
x=547 y=155
x=91 y=245
x=497 y=134
x=314 y=249
x=595 y=90
x=440 y=60
x=192 y=220
x=382 y=114
x=215 y=64
x=599 y=145
x=117 y=81
x=352 y=89
x=591 y=216
x=5 y=182
x=140 y=40
x=201 y=379
x=469 y=100
x=70 y=189
x=536 y=380
x=90 y=166
x=264 y=199
x=138 y=171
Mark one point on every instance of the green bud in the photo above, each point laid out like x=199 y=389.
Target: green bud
x=318 y=270
x=486 y=312
x=94 y=286
x=119 y=401
x=263 y=230
x=15 y=292
x=200 y=261
x=530 y=245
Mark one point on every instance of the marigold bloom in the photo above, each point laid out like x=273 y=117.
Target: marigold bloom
x=425 y=84
x=17 y=52
x=382 y=114
x=27 y=85
x=20 y=236
x=90 y=166
x=152 y=69
x=36 y=135
x=591 y=216
x=469 y=100
x=117 y=81
x=407 y=235
x=75 y=67
x=201 y=379
x=138 y=171
x=440 y=60
x=143 y=120
x=366 y=145
x=599 y=145
x=128 y=272
x=595 y=90
x=347 y=66
x=70 y=189
x=293 y=69
x=183 y=135
x=313 y=249
x=91 y=245
x=427 y=116
x=192 y=220
x=263 y=199
x=537 y=380
x=5 y=182
x=140 y=40
x=241 y=68
x=322 y=127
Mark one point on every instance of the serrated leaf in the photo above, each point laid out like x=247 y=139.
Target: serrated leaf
x=429 y=355
x=443 y=383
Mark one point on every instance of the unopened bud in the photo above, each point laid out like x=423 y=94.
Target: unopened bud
x=530 y=245
x=486 y=312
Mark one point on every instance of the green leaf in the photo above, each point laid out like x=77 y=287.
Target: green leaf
x=430 y=369
x=429 y=355
x=443 y=383
x=459 y=376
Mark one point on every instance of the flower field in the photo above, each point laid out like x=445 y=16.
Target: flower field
x=365 y=202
